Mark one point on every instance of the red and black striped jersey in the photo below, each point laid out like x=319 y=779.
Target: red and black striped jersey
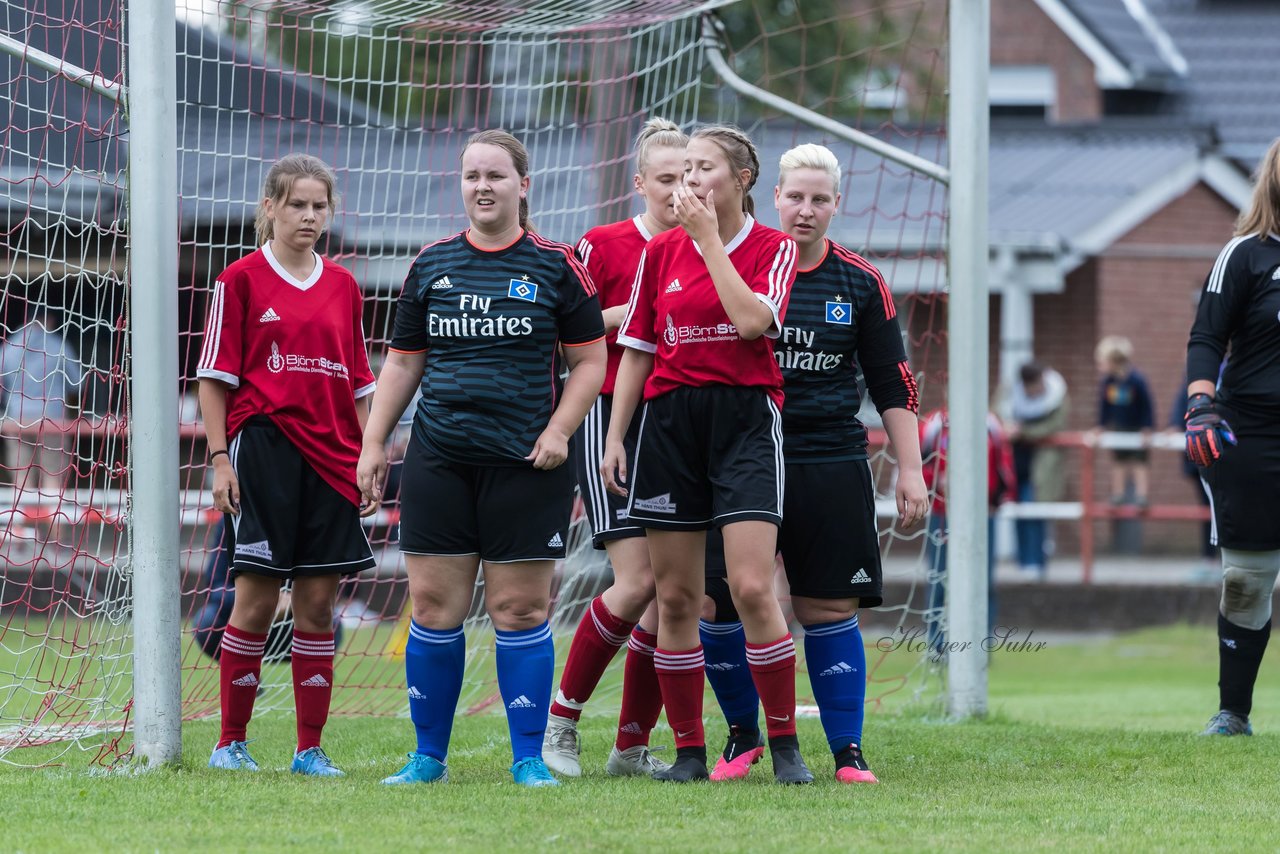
x=491 y=323
x=841 y=321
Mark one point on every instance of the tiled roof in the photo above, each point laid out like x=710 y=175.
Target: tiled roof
x=1232 y=49
x=1114 y=25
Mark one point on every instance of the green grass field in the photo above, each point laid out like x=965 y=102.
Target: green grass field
x=1089 y=745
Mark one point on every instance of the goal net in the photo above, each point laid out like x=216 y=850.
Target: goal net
x=877 y=66
x=65 y=651
x=385 y=92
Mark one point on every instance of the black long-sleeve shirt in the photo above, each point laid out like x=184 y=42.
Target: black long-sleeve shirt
x=1240 y=309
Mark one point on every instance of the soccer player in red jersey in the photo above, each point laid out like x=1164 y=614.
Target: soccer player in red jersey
x=484 y=320
x=709 y=298
x=624 y=613
x=284 y=385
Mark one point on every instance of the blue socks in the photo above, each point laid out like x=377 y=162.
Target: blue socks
x=838 y=673
x=725 y=648
x=526 y=667
x=433 y=663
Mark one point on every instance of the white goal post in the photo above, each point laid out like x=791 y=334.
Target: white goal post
x=967 y=321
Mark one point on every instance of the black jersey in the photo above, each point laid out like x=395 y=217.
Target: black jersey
x=491 y=323
x=1240 y=308
x=841 y=320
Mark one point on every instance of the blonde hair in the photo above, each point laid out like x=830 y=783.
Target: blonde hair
x=657 y=133
x=1263 y=215
x=741 y=154
x=519 y=159
x=1114 y=349
x=279 y=181
x=810 y=156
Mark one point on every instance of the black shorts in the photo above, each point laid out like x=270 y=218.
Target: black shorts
x=706 y=457
x=504 y=514
x=829 y=543
x=606 y=512
x=1244 y=489
x=291 y=523
x=828 y=540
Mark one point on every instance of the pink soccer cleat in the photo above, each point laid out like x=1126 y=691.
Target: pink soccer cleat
x=743 y=749
x=851 y=766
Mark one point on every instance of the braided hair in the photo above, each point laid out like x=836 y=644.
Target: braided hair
x=741 y=154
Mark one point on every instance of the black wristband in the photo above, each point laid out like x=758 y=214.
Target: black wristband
x=215 y=454
x=1199 y=401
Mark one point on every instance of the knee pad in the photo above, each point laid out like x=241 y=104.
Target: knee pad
x=1248 y=579
x=718 y=592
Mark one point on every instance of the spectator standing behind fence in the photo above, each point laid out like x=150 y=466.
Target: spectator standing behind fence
x=1038 y=406
x=40 y=374
x=1125 y=406
x=1002 y=486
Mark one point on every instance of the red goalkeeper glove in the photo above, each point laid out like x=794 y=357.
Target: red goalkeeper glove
x=1207 y=433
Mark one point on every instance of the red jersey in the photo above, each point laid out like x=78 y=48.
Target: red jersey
x=294 y=351
x=611 y=254
x=675 y=312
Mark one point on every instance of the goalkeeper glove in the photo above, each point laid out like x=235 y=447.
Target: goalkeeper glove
x=1207 y=432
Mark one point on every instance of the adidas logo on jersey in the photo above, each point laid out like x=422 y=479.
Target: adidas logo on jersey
x=1276 y=275
x=522 y=702
x=860 y=577
x=246 y=681
x=555 y=542
x=441 y=284
x=415 y=694
x=632 y=728
x=722 y=665
x=838 y=669
x=268 y=316
x=316 y=681
x=674 y=287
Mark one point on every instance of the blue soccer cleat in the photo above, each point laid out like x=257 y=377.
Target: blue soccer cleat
x=420 y=768
x=1228 y=723
x=234 y=757
x=314 y=762
x=533 y=772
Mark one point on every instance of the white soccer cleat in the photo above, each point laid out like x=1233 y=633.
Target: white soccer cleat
x=637 y=761
x=560 y=747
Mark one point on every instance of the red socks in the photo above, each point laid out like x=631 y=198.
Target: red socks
x=312 y=684
x=773 y=669
x=641 y=693
x=681 y=676
x=239 y=670
x=595 y=643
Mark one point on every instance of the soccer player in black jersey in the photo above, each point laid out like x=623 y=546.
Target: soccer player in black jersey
x=1233 y=435
x=482 y=324
x=841 y=321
